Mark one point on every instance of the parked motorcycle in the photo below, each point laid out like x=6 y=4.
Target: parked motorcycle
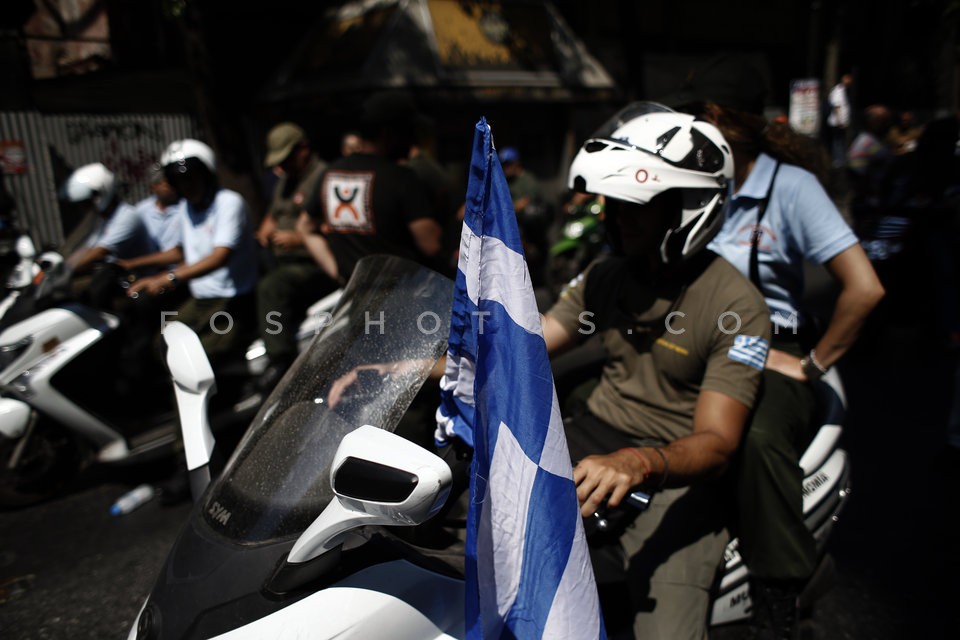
x=26 y=271
x=325 y=523
x=582 y=239
x=65 y=401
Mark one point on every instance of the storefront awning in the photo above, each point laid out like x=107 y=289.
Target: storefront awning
x=492 y=50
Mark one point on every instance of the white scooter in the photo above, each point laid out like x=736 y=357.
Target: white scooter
x=25 y=273
x=324 y=526
x=62 y=400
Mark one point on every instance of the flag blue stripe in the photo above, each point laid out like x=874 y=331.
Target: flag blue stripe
x=550 y=532
x=488 y=208
x=462 y=336
x=525 y=410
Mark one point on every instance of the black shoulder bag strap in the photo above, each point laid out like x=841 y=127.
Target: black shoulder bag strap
x=755 y=237
x=601 y=283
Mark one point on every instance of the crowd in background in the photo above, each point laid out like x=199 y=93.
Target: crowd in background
x=893 y=177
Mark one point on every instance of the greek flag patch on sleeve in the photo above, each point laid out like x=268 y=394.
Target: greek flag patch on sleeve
x=750 y=350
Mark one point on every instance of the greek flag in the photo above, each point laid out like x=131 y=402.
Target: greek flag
x=750 y=350
x=528 y=570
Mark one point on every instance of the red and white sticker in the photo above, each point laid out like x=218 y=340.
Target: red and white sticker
x=347 y=198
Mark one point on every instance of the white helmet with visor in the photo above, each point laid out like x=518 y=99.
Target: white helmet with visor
x=647 y=149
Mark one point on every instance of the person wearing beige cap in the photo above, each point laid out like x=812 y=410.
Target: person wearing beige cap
x=294 y=280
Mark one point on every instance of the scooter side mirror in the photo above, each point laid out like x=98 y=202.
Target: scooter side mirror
x=378 y=478
x=193 y=382
x=186 y=359
x=23 y=272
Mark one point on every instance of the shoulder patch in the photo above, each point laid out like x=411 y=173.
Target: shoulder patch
x=750 y=350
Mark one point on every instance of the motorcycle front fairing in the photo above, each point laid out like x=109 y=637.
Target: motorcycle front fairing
x=228 y=576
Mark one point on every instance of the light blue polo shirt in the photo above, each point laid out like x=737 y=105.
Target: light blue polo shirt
x=225 y=223
x=123 y=234
x=801 y=223
x=162 y=225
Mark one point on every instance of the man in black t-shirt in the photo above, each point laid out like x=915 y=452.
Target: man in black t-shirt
x=366 y=203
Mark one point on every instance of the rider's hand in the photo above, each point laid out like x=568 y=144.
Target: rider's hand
x=151 y=286
x=341 y=384
x=785 y=363
x=305 y=224
x=267 y=227
x=613 y=474
x=286 y=239
x=382 y=369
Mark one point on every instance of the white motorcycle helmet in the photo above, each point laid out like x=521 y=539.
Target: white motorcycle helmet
x=93 y=182
x=647 y=149
x=182 y=156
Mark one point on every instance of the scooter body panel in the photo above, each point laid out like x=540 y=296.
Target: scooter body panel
x=46 y=330
x=395 y=600
x=824 y=492
x=34 y=381
x=14 y=417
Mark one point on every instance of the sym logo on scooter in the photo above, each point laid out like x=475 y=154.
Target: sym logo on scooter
x=219 y=513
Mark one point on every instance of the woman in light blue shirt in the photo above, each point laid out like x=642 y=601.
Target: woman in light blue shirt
x=780 y=216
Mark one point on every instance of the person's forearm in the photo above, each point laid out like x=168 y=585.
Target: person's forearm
x=687 y=460
x=718 y=422
x=158 y=259
x=556 y=337
x=849 y=315
x=613 y=475
x=87 y=259
x=317 y=245
x=428 y=235
x=860 y=292
x=203 y=266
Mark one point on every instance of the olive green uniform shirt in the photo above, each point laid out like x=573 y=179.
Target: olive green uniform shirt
x=288 y=201
x=667 y=343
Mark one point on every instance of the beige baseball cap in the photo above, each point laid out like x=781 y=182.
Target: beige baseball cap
x=280 y=142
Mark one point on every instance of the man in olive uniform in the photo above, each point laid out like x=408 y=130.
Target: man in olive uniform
x=295 y=280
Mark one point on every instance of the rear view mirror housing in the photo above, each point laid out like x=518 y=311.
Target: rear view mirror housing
x=378 y=478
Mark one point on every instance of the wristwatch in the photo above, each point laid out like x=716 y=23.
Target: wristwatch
x=172 y=277
x=812 y=369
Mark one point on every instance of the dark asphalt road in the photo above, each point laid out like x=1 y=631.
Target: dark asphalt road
x=69 y=570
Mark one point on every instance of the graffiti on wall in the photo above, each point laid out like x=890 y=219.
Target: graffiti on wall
x=128 y=145
x=49 y=146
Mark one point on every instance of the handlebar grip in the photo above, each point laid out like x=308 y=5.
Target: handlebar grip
x=639 y=500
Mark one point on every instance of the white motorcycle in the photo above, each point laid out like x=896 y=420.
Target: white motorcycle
x=324 y=523
x=63 y=402
x=26 y=271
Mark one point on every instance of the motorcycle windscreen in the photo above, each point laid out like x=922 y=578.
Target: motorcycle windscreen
x=364 y=367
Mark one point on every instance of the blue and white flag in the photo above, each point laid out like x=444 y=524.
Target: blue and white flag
x=528 y=570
